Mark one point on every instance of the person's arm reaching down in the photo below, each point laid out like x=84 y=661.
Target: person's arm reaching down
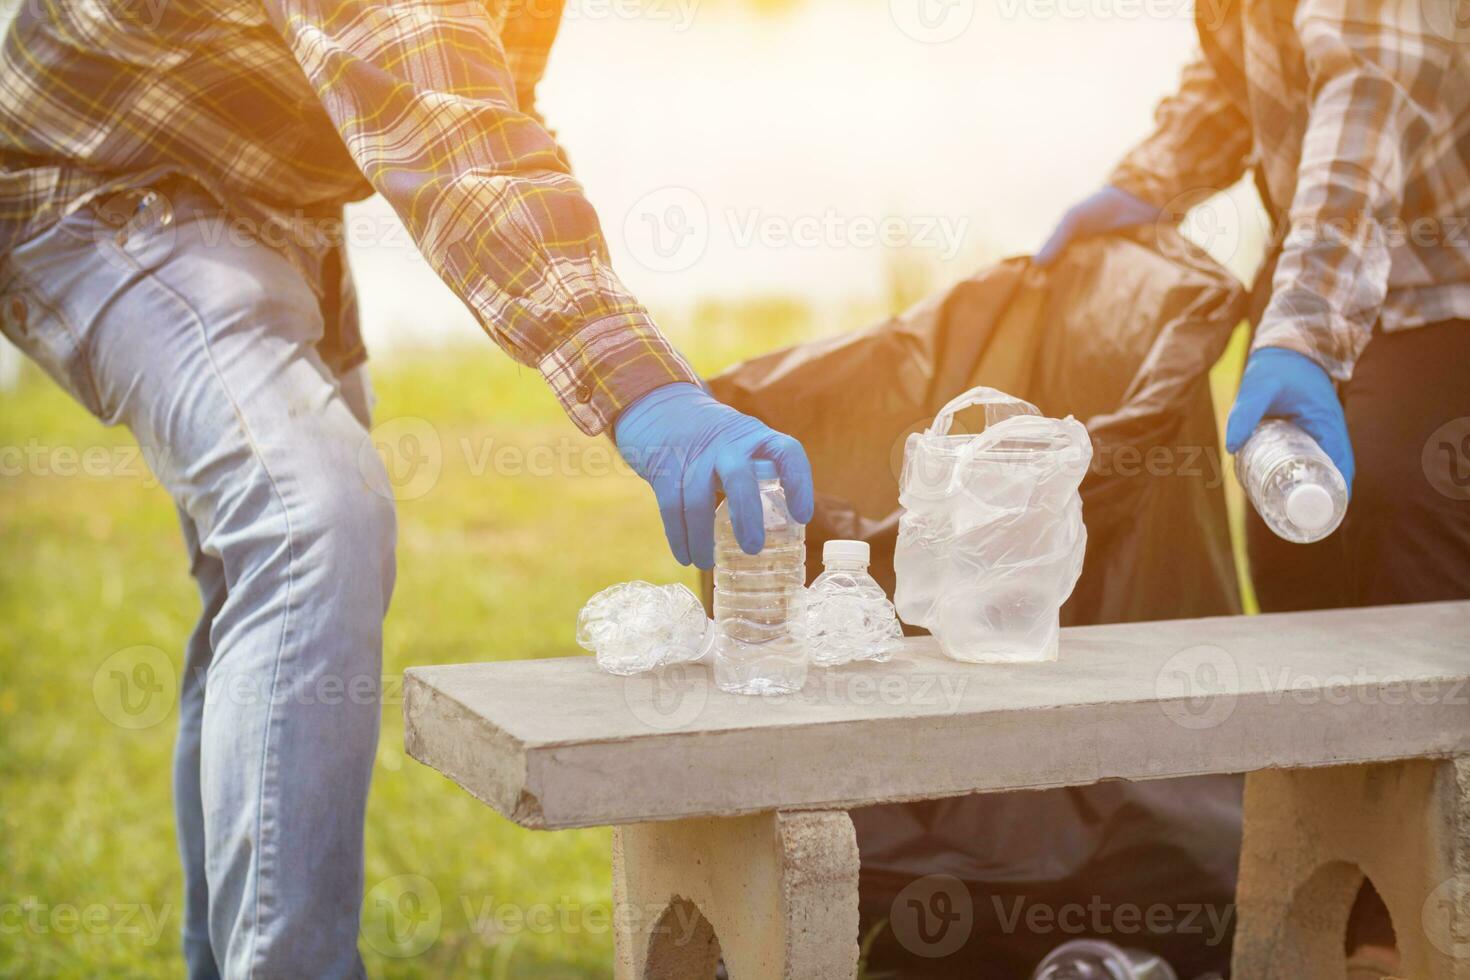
x=425 y=103
x=1376 y=73
x=1200 y=140
x=686 y=444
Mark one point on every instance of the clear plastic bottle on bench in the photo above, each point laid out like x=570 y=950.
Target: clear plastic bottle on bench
x=760 y=611
x=849 y=617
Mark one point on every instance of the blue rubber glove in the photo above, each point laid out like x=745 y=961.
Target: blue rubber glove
x=686 y=444
x=1285 y=384
x=1110 y=209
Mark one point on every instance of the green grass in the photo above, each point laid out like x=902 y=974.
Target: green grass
x=492 y=565
x=1224 y=378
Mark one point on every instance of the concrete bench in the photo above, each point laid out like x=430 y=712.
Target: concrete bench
x=730 y=812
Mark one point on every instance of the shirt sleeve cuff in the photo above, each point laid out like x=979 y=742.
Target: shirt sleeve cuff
x=1317 y=339
x=608 y=364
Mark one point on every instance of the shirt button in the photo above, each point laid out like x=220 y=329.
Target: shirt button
x=584 y=393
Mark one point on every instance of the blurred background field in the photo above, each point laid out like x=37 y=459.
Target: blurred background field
x=764 y=119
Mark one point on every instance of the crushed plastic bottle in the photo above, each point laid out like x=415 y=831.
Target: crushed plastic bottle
x=1291 y=482
x=638 y=626
x=849 y=617
x=1093 y=959
x=760 y=599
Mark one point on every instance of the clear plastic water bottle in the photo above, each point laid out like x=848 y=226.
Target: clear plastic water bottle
x=1291 y=482
x=1093 y=959
x=849 y=616
x=759 y=599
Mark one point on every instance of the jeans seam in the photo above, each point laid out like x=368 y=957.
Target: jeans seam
x=254 y=898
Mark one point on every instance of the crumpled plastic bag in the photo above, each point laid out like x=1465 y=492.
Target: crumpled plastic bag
x=991 y=538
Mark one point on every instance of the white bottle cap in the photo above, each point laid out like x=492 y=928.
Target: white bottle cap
x=839 y=550
x=1309 y=507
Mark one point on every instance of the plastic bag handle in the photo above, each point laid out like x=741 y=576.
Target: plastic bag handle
x=978 y=396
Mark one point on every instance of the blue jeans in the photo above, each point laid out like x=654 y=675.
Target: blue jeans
x=203 y=344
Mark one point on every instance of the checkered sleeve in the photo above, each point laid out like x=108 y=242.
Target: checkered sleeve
x=1199 y=143
x=1377 y=72
x=425 y=100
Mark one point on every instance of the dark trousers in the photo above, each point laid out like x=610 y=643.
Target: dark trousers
x=1406 y=536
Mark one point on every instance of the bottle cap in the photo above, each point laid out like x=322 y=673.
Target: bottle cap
x=765 y=469
x=839 y=550
x=1309 y=506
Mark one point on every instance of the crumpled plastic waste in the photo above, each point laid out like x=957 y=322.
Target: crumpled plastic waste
x=849 y=617
x=991 y=538
x=638 y=626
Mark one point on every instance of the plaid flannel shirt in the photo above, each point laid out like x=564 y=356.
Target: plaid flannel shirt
x=284 y=110
x=1356 y=115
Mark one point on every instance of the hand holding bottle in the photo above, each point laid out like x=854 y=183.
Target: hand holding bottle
x=688 y=446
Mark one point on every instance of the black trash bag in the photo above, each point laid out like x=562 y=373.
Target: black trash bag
x=986 y=886
x=1121 y=333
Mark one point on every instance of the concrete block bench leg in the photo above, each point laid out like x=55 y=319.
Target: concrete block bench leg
x=775 y=893
x=1310 y=837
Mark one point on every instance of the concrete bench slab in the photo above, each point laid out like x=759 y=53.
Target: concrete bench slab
x=1349 y=723
x=557 y=743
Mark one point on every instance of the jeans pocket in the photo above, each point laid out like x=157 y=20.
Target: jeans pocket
x=41 y=331
x=132 y=231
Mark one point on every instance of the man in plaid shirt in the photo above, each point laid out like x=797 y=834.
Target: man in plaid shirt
x=1354 y=116
x=138 y=138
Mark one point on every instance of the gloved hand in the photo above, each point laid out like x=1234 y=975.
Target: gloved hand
x=685 y=444
x=1289 y=385
x=1107 y=210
